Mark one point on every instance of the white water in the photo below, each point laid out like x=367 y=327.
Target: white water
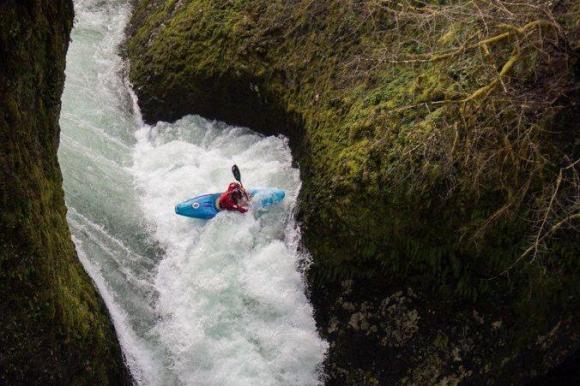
x=194 y=302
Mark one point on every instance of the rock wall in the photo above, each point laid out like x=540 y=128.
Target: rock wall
x=54 y=327
x=437 y=146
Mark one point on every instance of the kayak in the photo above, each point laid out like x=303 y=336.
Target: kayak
x=204 y=206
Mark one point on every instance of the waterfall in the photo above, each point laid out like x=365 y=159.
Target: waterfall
x=194 y=302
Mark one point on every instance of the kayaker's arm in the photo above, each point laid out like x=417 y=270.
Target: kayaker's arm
x=245 y=193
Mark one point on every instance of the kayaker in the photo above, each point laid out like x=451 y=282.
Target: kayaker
x=235 y=198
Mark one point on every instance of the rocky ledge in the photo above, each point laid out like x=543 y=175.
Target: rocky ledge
x=438 y=146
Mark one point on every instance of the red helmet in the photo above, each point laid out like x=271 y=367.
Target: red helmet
x=237 y=195
x=234 y=185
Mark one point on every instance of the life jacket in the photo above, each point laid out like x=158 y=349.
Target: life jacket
x=228 y=202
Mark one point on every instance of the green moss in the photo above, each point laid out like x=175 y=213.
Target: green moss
x=54 y=327
x=415 y=166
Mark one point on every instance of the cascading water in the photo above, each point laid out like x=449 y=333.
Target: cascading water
x=194 y=302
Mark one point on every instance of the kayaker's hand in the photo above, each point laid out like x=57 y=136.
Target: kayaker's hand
x=240 y=209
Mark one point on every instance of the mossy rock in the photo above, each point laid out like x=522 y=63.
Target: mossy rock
x=54 y=327
x=431 y=139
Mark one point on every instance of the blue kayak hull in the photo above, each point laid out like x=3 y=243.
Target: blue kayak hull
x=204 y=207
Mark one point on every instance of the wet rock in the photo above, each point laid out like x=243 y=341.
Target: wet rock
x=401 y=323
x=348 y=306
x=355 y=320
x=333 y=327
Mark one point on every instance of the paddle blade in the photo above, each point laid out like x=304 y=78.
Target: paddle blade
x=236 y=173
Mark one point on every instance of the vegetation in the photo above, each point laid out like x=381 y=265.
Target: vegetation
x=54 y=328
x=438 y=145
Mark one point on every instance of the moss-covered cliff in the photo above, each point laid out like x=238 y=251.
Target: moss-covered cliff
x=54 y=328
x=438 y=144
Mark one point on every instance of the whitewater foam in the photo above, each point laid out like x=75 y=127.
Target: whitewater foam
x=231 y=301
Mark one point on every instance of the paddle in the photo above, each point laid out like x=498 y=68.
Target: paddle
x=237 y=174
x=238 y=177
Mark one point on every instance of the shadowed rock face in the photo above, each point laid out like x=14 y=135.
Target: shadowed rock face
x=54 y=328
x=420 y=194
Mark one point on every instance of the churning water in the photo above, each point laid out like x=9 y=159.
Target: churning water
x=194 y=302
